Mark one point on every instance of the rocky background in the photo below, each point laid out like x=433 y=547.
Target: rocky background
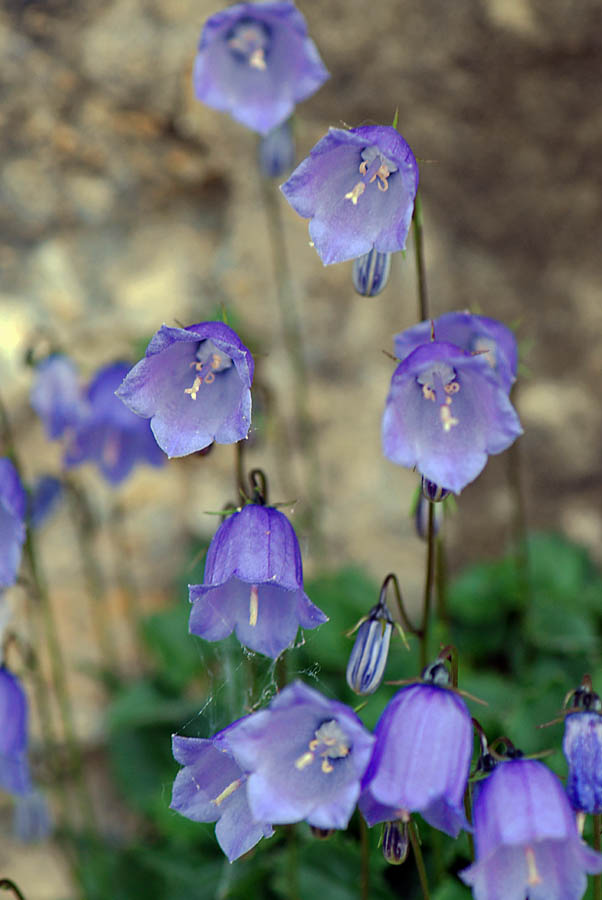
x=124 y=203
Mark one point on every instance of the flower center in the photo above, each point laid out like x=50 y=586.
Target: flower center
x=249 y=42
x=439 y=384
x=209 y=362
x=328 y=743
x=372 y=167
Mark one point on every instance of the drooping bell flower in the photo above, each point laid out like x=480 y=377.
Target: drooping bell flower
x=357 y=187
x=371 y=272
x=421 y=759
x=256 y=61
x=56 y=395
x=13 y=503
x=445 y=412
x=253 y=583
x=582 y=747
x=211 y=787
x=304 y=755
x=109 y=434
x=472 y=333
x=194 y=384
x=277 y=151
x=14 y=768
x=526 y=839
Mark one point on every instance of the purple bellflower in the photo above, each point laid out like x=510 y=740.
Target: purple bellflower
x=195 y=386
x=212 y=788
x=253 y=583
x=474 y=334
x=13 y=503
x=526 y=839
x=304 y=755
x=357 y=187
x=582 y=747
x=56 y=395
x=446 y=411
x=109 y=434
x=256 y=61
x=14 y=768
x=421 y=759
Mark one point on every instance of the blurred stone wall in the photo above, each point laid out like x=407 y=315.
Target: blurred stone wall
x=124 y=204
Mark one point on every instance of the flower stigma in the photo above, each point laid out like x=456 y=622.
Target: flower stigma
x=373 y=165
x=249 y=41
x=533 y=875
x=228 y=791
x=209 y=361
x=329 y=743
x=253 y=606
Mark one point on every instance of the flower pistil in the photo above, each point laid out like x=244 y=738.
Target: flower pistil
x=373 y=165
x=209 y=361
x=329 y=743
x=248 y=42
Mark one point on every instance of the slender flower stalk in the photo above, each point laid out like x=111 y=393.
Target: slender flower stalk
x=428 y=587
x=365 y=850
x=415 y=841
x=423 y=303
x=7 y=885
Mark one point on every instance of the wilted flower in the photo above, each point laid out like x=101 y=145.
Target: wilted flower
x=357 y=187
x=582 y=746
x=304 y=755
x=195 y=386
x=45 y=495
x=14 y=768
x=56 y=395
x=446 y=411
x=368 y=658
x=421 y=515
x=475 y=334
x=253 y=583
x=421 y=759
x=256 y=61
x=12 y=522
x=109 y=434
x=526 y=838
x=371 y=272
x=212 y=788
x=277 y=151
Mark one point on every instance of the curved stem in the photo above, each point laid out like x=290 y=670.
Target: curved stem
x=7 y=885
x=392 y=579
x=423 y=303
x=468 y=814
x=415 y=841
x=428 y=588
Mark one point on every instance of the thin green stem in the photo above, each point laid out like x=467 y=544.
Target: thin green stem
x=428 y=588
x=441 y=581
x=293 y=862
x=597 y=819
x=415 y=841
x=468 y=814
x=7 y=885
x=291 y=323
x=423 y=303
x=126 y=580
x=239 y=473
x=84 y=527
x=365 y=871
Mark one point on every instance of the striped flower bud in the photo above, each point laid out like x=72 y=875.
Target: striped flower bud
x=370 y=273
x=395 y=842
x=433 y=492
x=368 y=658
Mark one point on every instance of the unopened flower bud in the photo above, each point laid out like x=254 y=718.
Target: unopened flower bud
x=582 y=747
x=371 y=272
x=395 y=842
x=433 y=492
x=368 y=658
x=277 y=151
